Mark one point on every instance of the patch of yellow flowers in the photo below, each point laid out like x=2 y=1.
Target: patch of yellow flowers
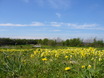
x=83 y=66
x=69 y=52
x=15 y=50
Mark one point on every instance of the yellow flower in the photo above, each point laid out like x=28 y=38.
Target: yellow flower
x=83 y=66
x=44 y=59
x=89 y=66
x=67 y=68
x=31 y=55
x=66 y=56
x=71 y=62
x=100 y=59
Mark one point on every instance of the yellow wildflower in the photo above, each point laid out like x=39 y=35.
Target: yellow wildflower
x=89 y=66
x=70 y=61
x=44 y=59
x=83 y=66
x=100 y=59
x=66 y=56
x=67 y=68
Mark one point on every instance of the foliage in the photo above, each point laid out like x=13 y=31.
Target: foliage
x=75 y=42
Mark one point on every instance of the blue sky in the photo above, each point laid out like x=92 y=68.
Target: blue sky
x=52 y=18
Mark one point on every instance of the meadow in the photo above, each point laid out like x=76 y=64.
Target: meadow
x=68 y=62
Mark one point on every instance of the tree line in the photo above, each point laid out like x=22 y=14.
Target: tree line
x=75 y=42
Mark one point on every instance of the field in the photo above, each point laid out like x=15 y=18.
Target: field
x=68 y=62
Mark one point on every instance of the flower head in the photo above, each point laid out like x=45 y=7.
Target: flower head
x=83 y=66
x=44 y=59
x=89 y=66
x=100 y=59
x=67 y=68
x=66 y=56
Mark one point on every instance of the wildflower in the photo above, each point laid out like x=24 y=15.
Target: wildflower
x=31 y=55
x=100 y=59
x=67 y=68
x=56 y=55
x=89 y=66
x=83 y=66
x=71 y=62
x=44 y=59
x=66 y=56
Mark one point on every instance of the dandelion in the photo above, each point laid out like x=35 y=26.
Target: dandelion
x=67 y=68
x=89 y=66
x=83 y=66
x=44 y=59
x=66 y=56
x=71 y=62
x=100 y=59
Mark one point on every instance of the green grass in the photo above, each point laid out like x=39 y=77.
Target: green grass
x=21 y=65
x=43 y=46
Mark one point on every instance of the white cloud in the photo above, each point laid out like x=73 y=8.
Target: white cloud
x=58 y=15
x=10 y=24
x=37 y=24
x=55 y=24
x=87 y=25
x=56 y=30
x=72 y=25
x=33 y=24
x=58 y=24
x=83 y=26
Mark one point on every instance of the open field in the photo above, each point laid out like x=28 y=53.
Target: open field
x=68 y=62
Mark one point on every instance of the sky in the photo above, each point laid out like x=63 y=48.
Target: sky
x=38 y=19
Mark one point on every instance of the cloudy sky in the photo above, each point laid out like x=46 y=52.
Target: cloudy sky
x=52 y=18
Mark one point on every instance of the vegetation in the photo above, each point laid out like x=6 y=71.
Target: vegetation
x=55 y=58
x=70 y=62
x=75 y=42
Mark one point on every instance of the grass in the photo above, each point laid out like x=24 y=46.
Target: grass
x=43 y=47
x=68 y=62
